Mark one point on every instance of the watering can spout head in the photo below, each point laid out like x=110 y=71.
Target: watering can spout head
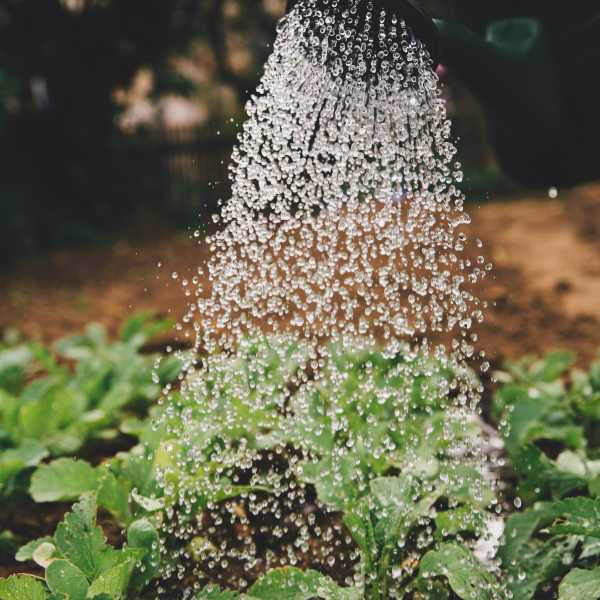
x=409 y=11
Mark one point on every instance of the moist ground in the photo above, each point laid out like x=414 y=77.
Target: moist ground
x=544 y=290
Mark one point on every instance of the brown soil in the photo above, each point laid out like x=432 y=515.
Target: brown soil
x=544 y=291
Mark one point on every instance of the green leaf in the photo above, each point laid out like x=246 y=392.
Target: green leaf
x=459 y=520
x=23 y=587
x=577 y=516
x=541 y=477
x=212 y=592
x=114 y=581
x=293 y=584
x=142 y=534
x=29 y=454
x=113 y=496
x=79 y=539
x=83 y=346
x=580 y=584
x=13 y=363
x=594 y=487
x=466 y=576
x=554 y=365
x=538 y=565
x=168 y=369
x=141 y=327
x=520 y=527
x=63 y=480
x=66 y=580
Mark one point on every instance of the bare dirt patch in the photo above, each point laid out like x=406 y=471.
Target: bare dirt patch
x=544 y=291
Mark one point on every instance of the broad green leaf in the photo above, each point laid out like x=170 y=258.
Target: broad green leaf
x=357 y=524
x=57 y=408
x=82 y=346
x=578 y=516
x=594 y=487
x=29 y=454
x=80 y=540
x=541 y=478
x=554 y=365
x=212 y=592
x=398 y=505
x=538 y=565
x=113 y=582
x=580 y=584
x=118 y=396
x=66 y=580
x=63 y=480
x=520 y=527
x=25 y=552
x=23 y=587
x=466 y=576
x=113 y=495
x=462 y=483
x=142 y=534
x=168 y=369
x=13 y=363
x=141 y=327
x=459 y=520
x=293 y=584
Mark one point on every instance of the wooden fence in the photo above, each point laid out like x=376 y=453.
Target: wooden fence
x=182 y=169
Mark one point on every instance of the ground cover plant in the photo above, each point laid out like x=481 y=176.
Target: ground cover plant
x=412 y=526
x=56 y=401
x=552 y=440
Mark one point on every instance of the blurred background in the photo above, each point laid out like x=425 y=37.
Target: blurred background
x=116 y=111
x=117 y=118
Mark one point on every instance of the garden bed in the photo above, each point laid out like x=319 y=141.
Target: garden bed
x=543 y=290
x=93 y=397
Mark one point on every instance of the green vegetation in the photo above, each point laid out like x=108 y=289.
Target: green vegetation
x=414 y=515
x=552 y=432
x=58 y=402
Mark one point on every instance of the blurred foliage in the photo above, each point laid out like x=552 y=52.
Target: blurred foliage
x=67 y=175
x=70 y=174
x=65 y=169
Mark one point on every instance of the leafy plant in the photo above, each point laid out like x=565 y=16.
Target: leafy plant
x=125 y=486
x=57 y=413
x=376 y=433
x=551 y=428
x=80 y=565
x=378 y=437
x=555 y=545
x=552 y=549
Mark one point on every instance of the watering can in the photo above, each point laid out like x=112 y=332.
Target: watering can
x=534 y=65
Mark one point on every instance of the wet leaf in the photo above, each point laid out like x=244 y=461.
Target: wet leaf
x=580 y=584
x=466 y=576
x=65 y=579
x=63 y=480
x=23 y=587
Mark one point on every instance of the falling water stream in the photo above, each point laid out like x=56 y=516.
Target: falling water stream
x=345 y=232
